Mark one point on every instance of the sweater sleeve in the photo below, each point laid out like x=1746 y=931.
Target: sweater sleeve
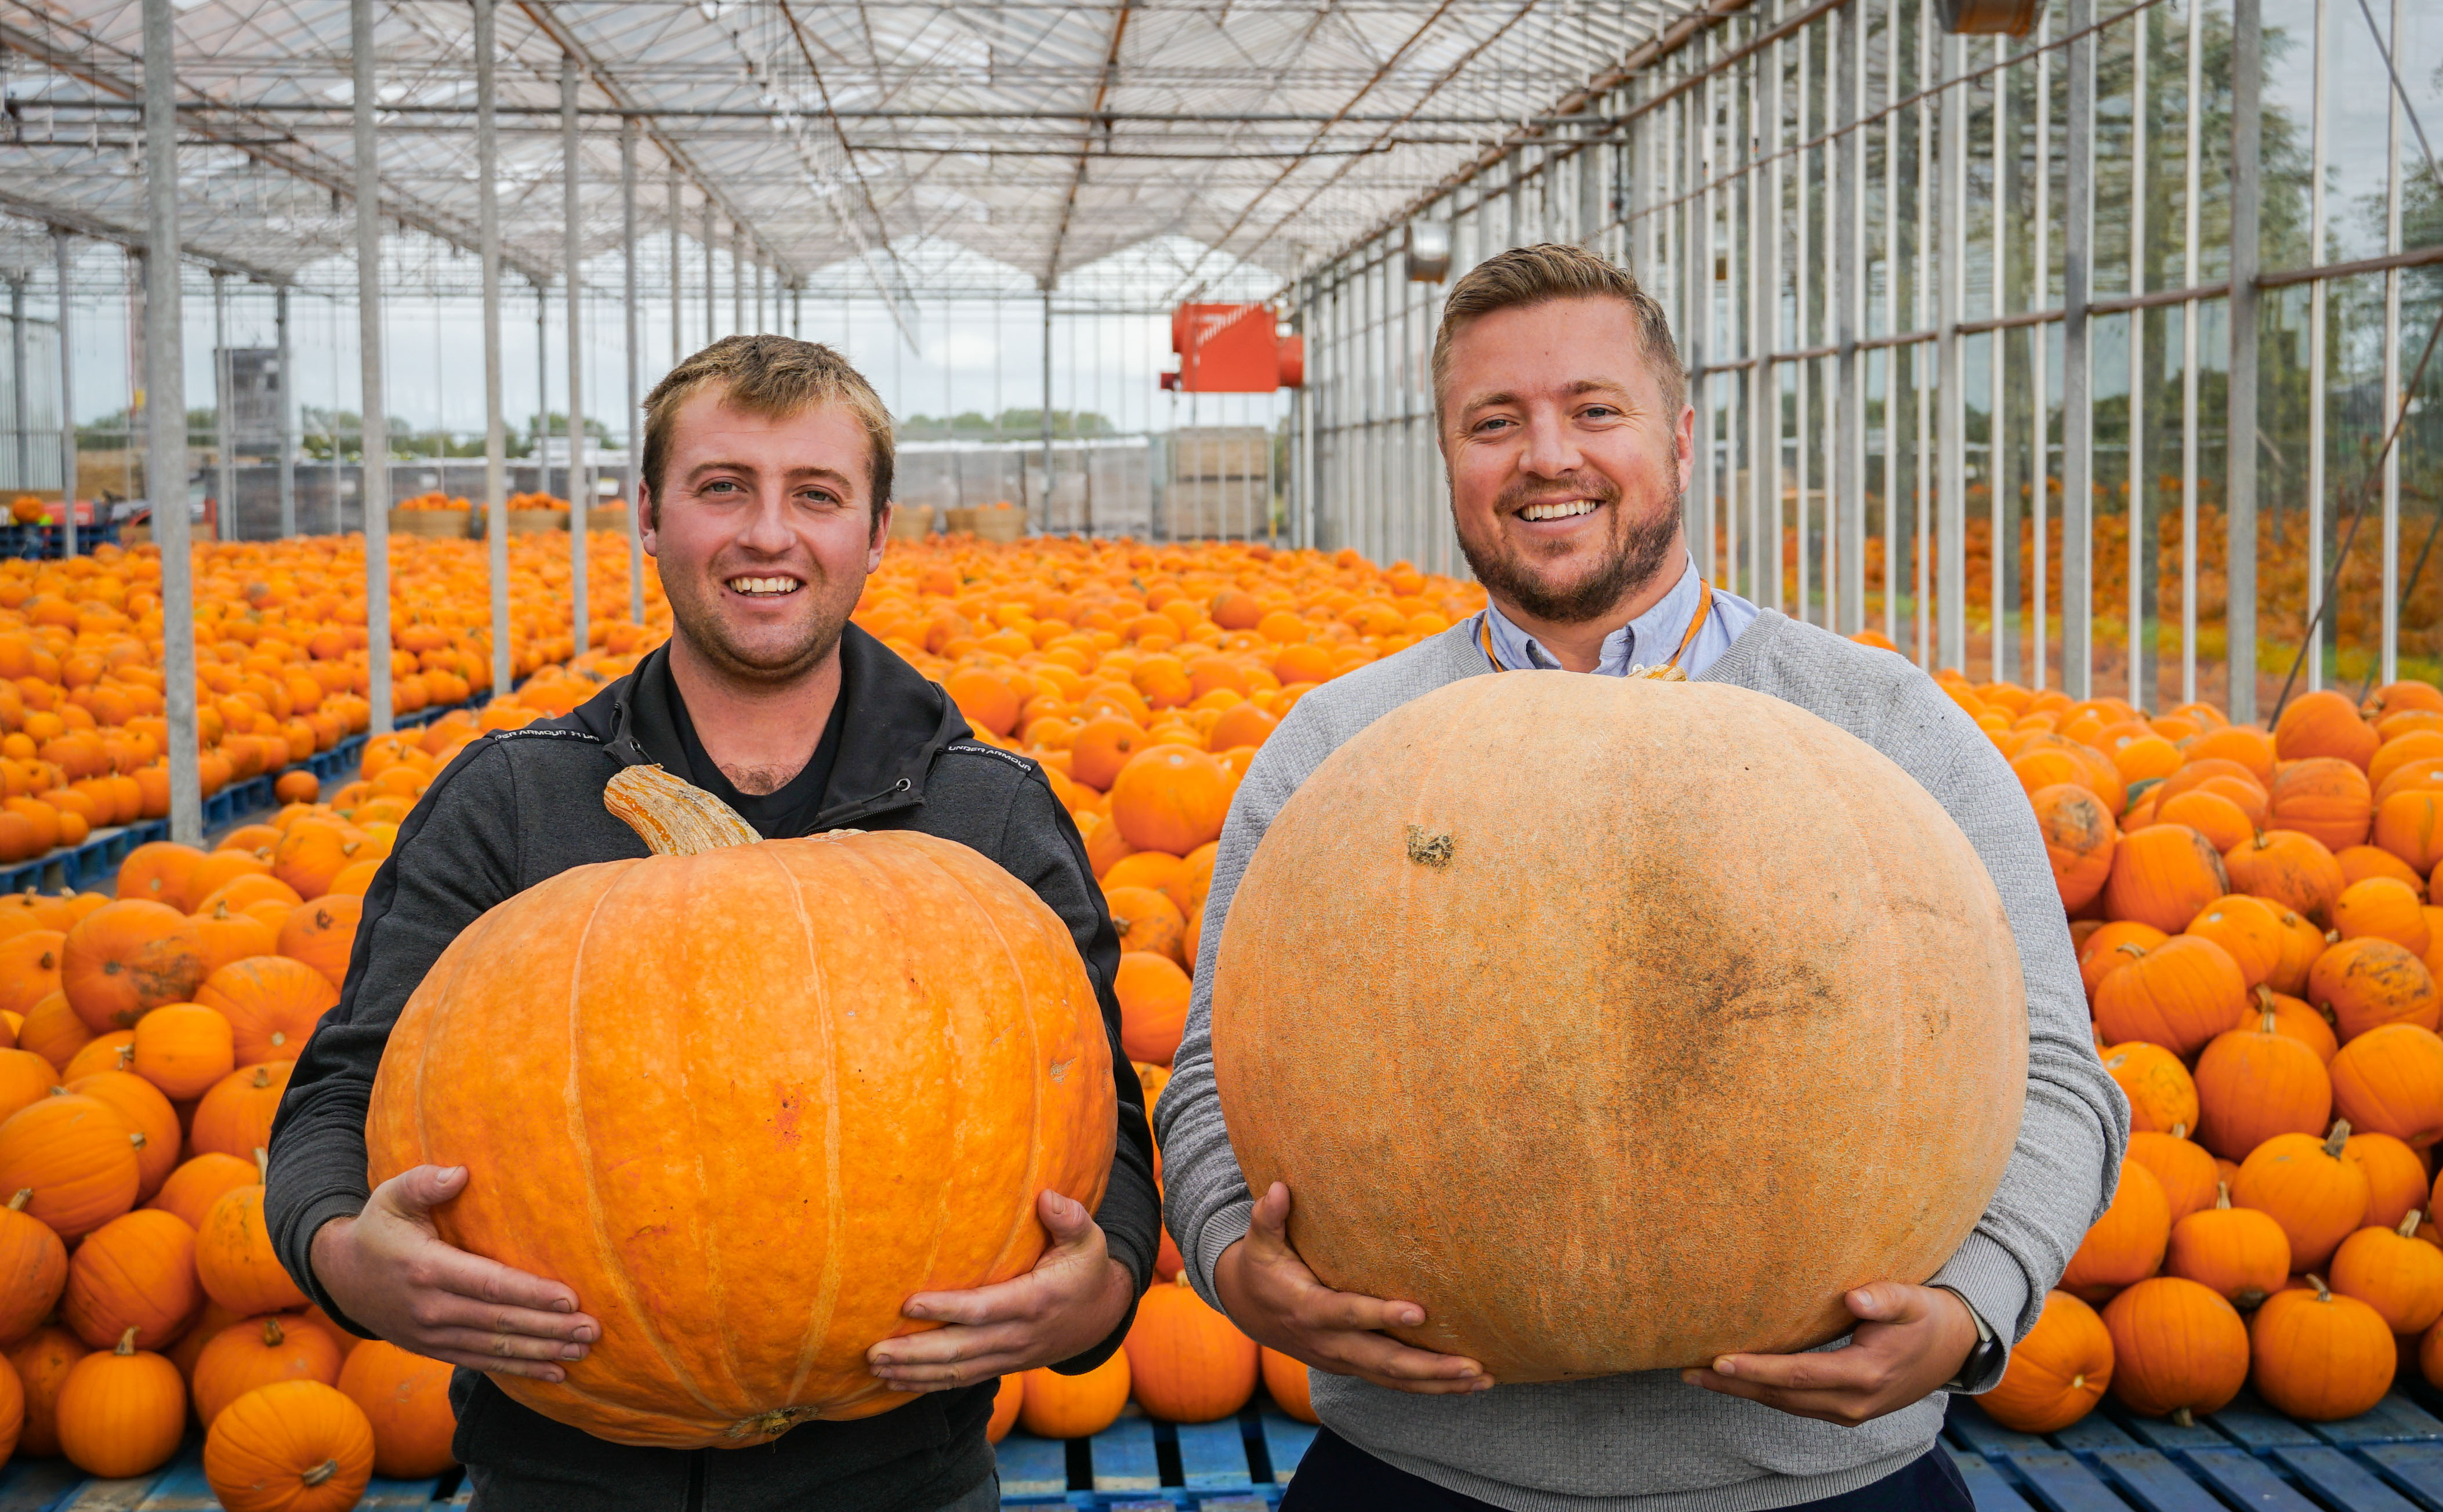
x=454 y=859
x=1040 y=848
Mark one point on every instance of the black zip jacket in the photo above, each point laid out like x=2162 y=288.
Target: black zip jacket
x=523 y=805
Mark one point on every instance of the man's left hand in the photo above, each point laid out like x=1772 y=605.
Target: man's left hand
x=1072 y=1299
x=1909 y=1341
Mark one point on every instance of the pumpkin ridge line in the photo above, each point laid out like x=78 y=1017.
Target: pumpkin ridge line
x=616 y=1275
x=826 y=1299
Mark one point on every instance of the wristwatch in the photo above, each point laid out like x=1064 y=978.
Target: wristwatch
x=1980 y=1360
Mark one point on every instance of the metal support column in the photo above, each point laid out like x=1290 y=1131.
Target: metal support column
x=1044 y=504
x=711 y=290
x=68 y=398
x=2239 y=489
x=580 y=496
x=376 y=487
x=737 y=280
x=284 y=383
x=165 y=418
x=496 y=444
x=2078 y=416
x=678 y=291
x=224 y=382
x=18 y=422
x=1849 y=478
x=634 y=426
x=1951 y=275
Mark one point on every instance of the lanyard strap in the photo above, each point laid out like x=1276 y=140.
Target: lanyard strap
x=1668 y=670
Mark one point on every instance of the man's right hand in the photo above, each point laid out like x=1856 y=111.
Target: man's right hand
x=1269 y=1292
x=390 y=1272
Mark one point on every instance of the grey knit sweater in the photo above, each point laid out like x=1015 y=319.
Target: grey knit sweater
x=1648 y=1442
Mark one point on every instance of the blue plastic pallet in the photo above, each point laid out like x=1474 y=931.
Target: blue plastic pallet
x=1238 y=1465
x=2247 y=1455
x=74 y=868
x=55 y=1486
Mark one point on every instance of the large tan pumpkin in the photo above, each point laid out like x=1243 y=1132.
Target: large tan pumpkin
x=1619 y=1023
x=745 y=1102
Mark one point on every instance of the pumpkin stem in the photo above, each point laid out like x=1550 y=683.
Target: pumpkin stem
x=2181 y=1417
x=25 y=1195
x=126 y=1344
x=2132 y=948
x=263 y=1165
x=2222 y=1195
x=2338 y=1138
x=262 y=1077
x=321 y=1472
x=2408 y=1223
x=672 y=817
x=2180 y=1131
x=2324 y=1293
x=272 y=1334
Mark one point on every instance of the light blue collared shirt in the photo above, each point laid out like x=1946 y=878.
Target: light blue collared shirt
x=1645 y=641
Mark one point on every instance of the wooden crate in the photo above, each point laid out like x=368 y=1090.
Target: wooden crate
x=525 y=522
x=911 y=522
x=991 y=522
x=434 y=524
x=609 y=517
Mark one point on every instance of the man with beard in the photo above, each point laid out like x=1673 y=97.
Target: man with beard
x=1563 y=417
x=766 y=501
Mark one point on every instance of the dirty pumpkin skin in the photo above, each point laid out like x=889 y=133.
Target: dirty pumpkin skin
x=744 y=1109
x=1621 y=1024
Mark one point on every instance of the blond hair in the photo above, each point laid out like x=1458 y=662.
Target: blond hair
x=775 y=376
x=1551 y=270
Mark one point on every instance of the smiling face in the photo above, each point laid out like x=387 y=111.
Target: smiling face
x=1566 y=465
x=764 y=532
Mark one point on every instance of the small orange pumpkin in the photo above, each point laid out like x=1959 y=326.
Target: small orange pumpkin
x=2255 y=1082
x=291 y=1447
x=322 y=934
x=2177 y=1348
x=2390 y=1080
x=2394 y=1272
x=160 y=872
x=135 y=1275
x=1189 y=1364
x=33 y=1269
x=2306 y=1186
x=2179 y=995
x=1287 y=1382
x=2163 y=876
x=234 y=1118
x=405 y=1399
x=2057 y=1373
x=2319 y=1356
x=183 y=1049
x=1153 y=994
x=2286 y=867
x=2324 y=723
x=271 y=1003
x=125 y=959
x=2248 y=930
x=235 y=1260
x=2396 y=1176
x=2182 y=1167
x=2112 y=945
x=1070 y=1406
x=2240 y=1253
x=2325 y=798
x=120 y=1412
x=227 y=934
x=2080 y=838
x=2365 y=983
x=2125 y=1245
x=2385 y=908
x=42 y=1361
x=77 y=1156
x=150 y=1119
x=257 y=1351
x=197 y=1184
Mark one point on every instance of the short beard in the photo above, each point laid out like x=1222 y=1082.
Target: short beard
x=702 y=626
x=1641 y=550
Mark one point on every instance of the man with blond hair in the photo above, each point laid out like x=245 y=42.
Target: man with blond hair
x=1563 y=417
x=766 y=501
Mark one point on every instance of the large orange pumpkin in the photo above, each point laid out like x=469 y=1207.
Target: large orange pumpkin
x=2163 y=876
x=2177 y=1348
x=2058 y=1372
x=2321 y=1357
x=125 y=959
x=638 y=989
x=1188 y=1363
x=1072 y=1406
x=1627 y=1036
x=405 y=1399
x=271 y=1003
x=291 y=1447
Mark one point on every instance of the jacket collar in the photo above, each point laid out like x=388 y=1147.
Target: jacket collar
x=897 y=721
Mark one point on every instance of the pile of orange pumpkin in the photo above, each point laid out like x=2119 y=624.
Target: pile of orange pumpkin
x=282 y=665
x=2251 y=913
